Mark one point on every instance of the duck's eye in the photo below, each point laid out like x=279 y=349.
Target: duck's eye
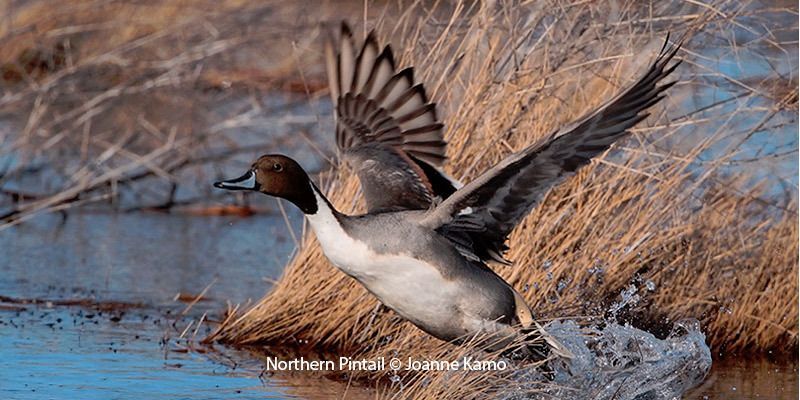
x=277 y=167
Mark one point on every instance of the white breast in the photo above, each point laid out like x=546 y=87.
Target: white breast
x=350 y=255
x=416 y=290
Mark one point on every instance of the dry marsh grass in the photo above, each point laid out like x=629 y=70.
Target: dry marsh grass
x=108 y=94
x=656 y=212
x=129 y=103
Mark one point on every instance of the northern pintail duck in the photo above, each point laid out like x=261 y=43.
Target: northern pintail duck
x=422 y=247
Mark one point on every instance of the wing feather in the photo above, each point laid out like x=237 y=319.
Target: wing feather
x=383 y=120
x=488 y=208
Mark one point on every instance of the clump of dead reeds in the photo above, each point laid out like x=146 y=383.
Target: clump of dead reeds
x=102 y=95
x=656 y=213
x=139 y=105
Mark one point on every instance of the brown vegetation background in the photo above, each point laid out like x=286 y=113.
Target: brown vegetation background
x=107 y=97
x=651 y=211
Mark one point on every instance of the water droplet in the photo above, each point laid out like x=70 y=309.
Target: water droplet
x=596 y=270
x=628 y=298
x=651 y=286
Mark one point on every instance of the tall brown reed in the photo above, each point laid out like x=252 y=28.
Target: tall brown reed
x=133 y=89
x=129 y=103
x=695 y=240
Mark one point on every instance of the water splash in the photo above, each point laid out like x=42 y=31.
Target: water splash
x=620 y=362
x=629 y=297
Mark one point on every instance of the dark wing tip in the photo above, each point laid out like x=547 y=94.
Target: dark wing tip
x=666 y=43
x=668 y=52
x=431 y=108
x=371 y=40
x=420 y=90
x=408 y=74
x=667 y=85
x=345 y=30
x=388 y=55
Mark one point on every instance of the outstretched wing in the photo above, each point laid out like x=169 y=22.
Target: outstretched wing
x=481 y=214
x=385 y=126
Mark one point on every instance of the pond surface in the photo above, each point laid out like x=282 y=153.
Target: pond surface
x=115 y=317
x=122 y=337
x=741 y=378
x=110 y=325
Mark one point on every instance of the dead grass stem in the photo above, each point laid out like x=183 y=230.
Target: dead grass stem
x=107 y=94
x=655 y=212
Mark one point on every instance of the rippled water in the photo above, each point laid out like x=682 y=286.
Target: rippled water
x=145 y=256
x=128 y=339
x=740 y=377
x=124 y=341
x=111 y=327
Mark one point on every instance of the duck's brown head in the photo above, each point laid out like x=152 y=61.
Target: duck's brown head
x=279 y=176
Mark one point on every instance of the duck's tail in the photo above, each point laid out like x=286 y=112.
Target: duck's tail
x=537 y=345
x=548 y=342
x=540 y=344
